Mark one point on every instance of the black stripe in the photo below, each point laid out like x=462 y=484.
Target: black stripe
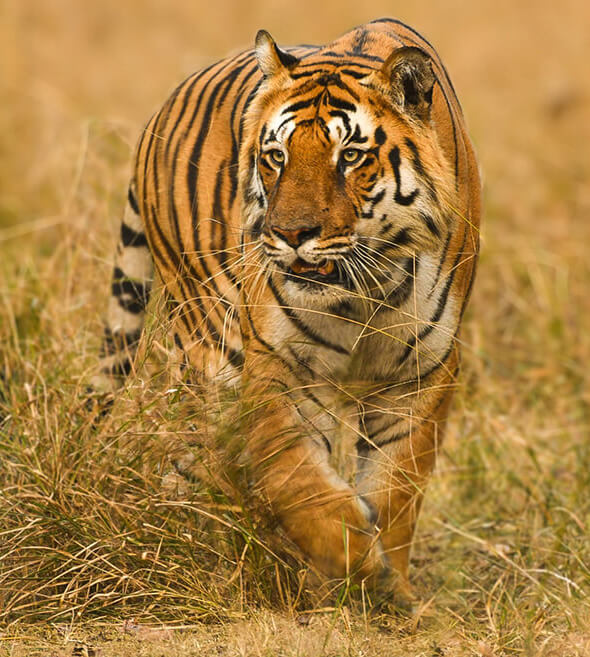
x=266 y=165
x=236 y=141
x=315 y=430
x=236 y=358
x=219 y=219
x=149 y=130
x=132 y=200
x=454 y=127
x=364 y=55
x=273 y=133
x=172 y=305
x=403 y=291
x=361 y=40
x=255 y=333
x=175 y=266
x=441 y=262
x=327 y=53
x=178 y=342
x=192 y=176
x=220 y=251
x=268 y=349
x=469 y=286
x=402 y=237
x=420 y=170
x=324 y=129
x=281 y=384
x=132 y=295
x=345 y=119
x=357 y=137
x=416 y=424
x=302 y=104
x=357 y=75
x=114 y=342
x=170 y=258
x=429 y=221
x=379 y=136
x=334 y=79
x=442 y=302
x=310 y=396
x=395 y=159
x=373 y=201
x=340 y=103
x=286 y=58
x=122 y=368
x=441 y=361
x=301 y=325
x=130 y=237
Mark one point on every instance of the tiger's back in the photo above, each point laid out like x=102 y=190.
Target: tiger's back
x=207 y=199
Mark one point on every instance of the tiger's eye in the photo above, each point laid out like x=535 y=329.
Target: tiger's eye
x=277 y=156
x=351 y=155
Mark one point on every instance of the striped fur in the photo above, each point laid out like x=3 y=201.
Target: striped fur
x=313 y=216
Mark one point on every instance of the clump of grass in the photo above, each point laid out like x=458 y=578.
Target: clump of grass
x=97 y=523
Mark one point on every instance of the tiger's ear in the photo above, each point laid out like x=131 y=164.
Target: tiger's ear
x=409 y=78
x=271 y=59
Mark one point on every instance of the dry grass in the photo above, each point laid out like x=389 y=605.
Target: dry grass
x=88 y=538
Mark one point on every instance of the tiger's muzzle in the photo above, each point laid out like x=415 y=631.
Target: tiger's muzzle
x=305 y=258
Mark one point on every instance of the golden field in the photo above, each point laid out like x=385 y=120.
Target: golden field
x=93 y=560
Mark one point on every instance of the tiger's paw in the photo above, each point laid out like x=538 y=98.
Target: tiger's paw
x=394 y=598
x=345 y=545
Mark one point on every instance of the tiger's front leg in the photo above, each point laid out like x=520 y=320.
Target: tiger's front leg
x=404 y=433
x=319 y=511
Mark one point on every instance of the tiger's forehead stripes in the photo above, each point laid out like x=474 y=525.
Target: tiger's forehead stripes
x=337 y=118
x=326 y=80
x=307 y=69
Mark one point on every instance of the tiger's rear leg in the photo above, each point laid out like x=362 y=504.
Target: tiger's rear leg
x=130 y=291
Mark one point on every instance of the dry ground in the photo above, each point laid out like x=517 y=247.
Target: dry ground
x=93 y=560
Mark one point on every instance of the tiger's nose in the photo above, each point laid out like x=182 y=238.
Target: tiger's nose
x=296 y=236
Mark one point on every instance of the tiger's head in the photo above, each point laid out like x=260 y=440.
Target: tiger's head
x=342 y=176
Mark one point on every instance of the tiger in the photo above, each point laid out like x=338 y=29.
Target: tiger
x=312 y=216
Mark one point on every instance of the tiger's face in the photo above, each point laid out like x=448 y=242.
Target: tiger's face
x=344 y=181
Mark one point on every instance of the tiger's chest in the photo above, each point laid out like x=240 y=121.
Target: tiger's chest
x=378 y=342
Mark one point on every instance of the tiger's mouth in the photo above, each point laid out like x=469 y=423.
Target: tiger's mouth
x=324 y=271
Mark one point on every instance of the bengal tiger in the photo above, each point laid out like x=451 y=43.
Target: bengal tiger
x=312 y=214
